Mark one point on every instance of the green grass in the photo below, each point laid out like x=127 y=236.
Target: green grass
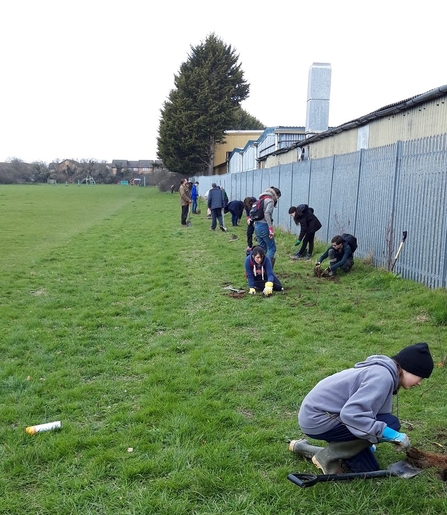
x=174 y=397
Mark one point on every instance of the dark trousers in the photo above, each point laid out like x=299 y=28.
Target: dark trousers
x=335 y=257
x=234 y=219
x=307 y=240
x=260 y=284
x=250 y=231
x=184 y=213
x=216 y=214
x=364 y=461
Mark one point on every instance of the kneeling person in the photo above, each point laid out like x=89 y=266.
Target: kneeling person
x=259 y=273
x=340 y=256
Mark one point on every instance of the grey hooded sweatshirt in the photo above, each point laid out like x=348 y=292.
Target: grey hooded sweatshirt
x=269 y=197
x=353 y=397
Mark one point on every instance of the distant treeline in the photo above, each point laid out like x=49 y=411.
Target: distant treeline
x=17 y=171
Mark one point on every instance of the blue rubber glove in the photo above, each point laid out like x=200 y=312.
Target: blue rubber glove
x=297 y=243
x=400 y=439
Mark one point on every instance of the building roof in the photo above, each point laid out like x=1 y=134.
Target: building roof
x=388 y=110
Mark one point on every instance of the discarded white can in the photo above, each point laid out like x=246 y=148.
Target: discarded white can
x=32 y=430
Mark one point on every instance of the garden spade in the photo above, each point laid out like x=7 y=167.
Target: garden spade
x=401 y=469
x=404 y=237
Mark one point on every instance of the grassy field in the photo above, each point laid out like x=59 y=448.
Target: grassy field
x=175 y=397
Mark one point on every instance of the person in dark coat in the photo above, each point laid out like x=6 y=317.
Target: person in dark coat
x=236 y=208
x=248 y=202
x=216 y=204
x=303 y=215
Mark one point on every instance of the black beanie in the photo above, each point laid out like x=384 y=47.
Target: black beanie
x=415 y=359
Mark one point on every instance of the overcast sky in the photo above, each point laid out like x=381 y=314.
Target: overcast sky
x=85 y=79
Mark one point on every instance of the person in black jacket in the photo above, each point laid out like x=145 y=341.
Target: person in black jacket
x=236 y=208
x=248 y=202
x=303 y=215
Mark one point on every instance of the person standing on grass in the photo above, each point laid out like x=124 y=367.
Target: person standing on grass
x=340 y=256
x=352 y=410
x=303 y=215
x=194 y=196
x=248 y=202
x=216 y=204
x=259 y=273
x=185 y=199
x=264 y=228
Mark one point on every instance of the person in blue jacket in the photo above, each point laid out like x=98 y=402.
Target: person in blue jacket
x=259 y=273
x=194 y=196
x=352 y=410
x=340 y=257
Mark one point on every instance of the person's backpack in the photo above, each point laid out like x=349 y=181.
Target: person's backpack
x=350 y=240
x=257 y=210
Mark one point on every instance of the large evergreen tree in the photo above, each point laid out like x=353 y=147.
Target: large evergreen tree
x=246 y=122
x=204 y=104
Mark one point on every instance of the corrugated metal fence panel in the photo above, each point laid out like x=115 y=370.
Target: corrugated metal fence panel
x=375 y=194
x=345 y=180
x=238 y=186
x=300 y=182
x=264 y=182
x=285 y=185
x=320 y=187
x=421 y=210
x=375 y=206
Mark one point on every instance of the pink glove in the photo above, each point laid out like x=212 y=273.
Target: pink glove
x=271 y=233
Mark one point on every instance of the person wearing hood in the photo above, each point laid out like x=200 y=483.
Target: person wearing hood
x=264 y=231
x=352 y=410
x=259 y=273
x=303 y=215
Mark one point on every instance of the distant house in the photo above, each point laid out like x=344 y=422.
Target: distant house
x=67 y=166
x=141 y=167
